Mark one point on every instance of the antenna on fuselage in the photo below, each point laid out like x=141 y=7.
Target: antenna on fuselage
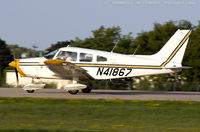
x=114 y=46
x=136 y=49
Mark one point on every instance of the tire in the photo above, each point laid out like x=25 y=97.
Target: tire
x=73 y=91
x=30 y=91
x=86 y=90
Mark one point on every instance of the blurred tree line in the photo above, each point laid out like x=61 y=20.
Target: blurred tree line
x=22 y=52
x=147 y=43
x=18 y=51
x=5 y=58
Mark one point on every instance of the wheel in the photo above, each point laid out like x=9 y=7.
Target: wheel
x=73 y=91
x=30 y=91
x=86 y=90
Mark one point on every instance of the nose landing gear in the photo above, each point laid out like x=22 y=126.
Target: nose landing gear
x=30 y=88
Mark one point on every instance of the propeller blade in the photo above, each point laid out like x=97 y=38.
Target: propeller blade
x=16 y=72
x=17 y=78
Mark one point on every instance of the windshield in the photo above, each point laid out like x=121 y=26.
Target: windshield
x=50 y=55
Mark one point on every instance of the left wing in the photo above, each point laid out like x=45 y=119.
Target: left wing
x=67 y=70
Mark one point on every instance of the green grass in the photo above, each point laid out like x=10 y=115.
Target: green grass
x=74 y=115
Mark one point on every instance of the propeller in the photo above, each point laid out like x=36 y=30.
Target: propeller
x=14 y=64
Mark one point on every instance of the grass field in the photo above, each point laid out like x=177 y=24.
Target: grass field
x=74 y=115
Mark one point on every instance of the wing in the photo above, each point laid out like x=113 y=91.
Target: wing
x=67 y=70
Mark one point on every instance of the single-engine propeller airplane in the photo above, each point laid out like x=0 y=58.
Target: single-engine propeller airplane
x=80 y=64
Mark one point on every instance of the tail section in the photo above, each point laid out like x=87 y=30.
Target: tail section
x=171 y=54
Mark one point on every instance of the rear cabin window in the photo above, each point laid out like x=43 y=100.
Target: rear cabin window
x=85 y=57
x=67 y=56
x=101 y=59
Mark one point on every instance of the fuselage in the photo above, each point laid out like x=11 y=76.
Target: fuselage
x=98 y=64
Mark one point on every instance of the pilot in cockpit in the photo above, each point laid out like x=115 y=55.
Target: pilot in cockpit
x=68 y=57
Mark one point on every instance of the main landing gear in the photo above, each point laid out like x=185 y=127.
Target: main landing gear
x=30 y=91
x=75 y=87
x=73 y=91
x=85 y=90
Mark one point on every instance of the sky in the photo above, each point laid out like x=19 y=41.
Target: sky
x=45 y=22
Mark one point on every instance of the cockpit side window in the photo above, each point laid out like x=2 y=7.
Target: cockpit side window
x=101 y=58
x=67 y=56
x=51 y=54
x=86 y=57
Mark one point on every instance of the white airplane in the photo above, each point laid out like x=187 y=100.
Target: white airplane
x=80 y=64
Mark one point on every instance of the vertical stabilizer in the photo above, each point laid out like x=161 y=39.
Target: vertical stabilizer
x=171 y=54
